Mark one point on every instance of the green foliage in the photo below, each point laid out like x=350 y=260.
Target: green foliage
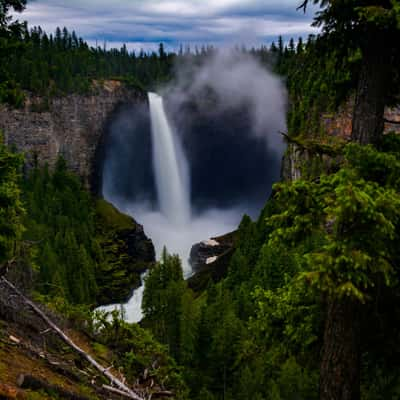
x=294 y=310
x=80 y=244
x=319 y=79
x=356 y=219
x=12 y=94
x=168 y=306
x=110 y=216
x=61 y=220
x=357 y=29
x=11 y=207
x=138 y=353
x=258 y=333
x=118 y=271
x=52 y=65
x=355 y=16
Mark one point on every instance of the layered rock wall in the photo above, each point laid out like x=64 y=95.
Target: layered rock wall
x=71 y=126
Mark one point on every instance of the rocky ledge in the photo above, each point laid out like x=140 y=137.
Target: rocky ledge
x=210 y=260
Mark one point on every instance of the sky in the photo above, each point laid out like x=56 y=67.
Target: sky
x=143 y=24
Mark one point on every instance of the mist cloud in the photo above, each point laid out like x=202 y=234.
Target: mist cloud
x=237 y=82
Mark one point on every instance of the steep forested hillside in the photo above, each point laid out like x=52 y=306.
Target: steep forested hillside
x=86 y=251
x=70 y=253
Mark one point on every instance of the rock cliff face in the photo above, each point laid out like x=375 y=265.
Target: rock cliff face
x=291 y=163
x=340 y=123
x=72 y=126
x=337 y=124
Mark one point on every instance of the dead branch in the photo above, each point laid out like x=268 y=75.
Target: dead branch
x=314 y=147
x=286 y=136
x=293 y=140
x=389 y=121
x=303 y=6
x=115 y=391
x=164 y=393
x=116 y=382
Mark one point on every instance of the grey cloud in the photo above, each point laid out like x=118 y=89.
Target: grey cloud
x=172 y=21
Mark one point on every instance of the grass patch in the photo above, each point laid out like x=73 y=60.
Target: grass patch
x=112 y=217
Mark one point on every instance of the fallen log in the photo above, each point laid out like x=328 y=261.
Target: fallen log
x=114 y=381
x=164 y=393
x=115 y=391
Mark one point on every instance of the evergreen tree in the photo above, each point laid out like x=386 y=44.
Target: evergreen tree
x=291 y=47
x=366 y=25
x=357 y=219
x=11 y=208
x=162 y=302
x=300 y=46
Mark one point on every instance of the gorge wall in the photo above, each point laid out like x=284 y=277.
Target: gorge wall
x=338 y=124
x=71 y=126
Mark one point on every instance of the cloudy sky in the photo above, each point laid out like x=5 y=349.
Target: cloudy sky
x=145 y=23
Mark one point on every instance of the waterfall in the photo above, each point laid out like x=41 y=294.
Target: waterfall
x=173 y=225
x=170 y=166
x=132 y=310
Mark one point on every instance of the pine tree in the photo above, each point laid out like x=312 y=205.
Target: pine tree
x=365 y=26
x=162 y=301
x=355 y=213
x=11 y=208
x=300 y=46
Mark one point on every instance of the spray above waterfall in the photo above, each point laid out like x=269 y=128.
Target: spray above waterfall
x=232 y=80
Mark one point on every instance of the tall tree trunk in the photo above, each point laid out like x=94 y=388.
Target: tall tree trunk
x=340 y=366
x=369 y=108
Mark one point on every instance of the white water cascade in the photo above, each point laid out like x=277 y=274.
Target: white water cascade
x=132 y=310
x=170 y=166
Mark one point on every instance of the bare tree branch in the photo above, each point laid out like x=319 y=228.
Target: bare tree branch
x=115 y=381
x=303 y=6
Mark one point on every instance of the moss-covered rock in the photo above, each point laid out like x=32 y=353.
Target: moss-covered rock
x=127 y=253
